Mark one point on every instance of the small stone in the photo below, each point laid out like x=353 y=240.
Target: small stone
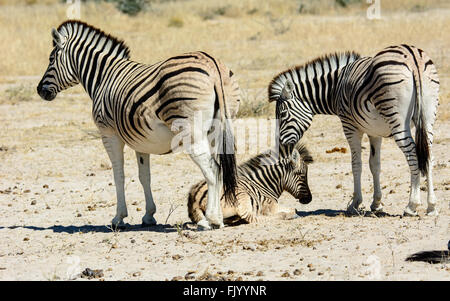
x=177 y=257
x=136 y=274
x=26 y=190
x=114 y=246
x=45 y=186
x=297 y=272
x=26 y=239
x=89 y=273
x=189 y=276
x=132 y=241
x=177 y=278
x=79 y=215
x=249 y=247
x=260 y=273
x=338 y=186
x=285 y=274
x=138 y=209
x=33 y=202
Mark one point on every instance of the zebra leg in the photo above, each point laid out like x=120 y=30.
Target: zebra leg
x=143 y=161
x=354 y=140
x=201 y=155
x=244 y=209
x=407 y=145
x=374 y=163
x=114 y=148
x=431 y=198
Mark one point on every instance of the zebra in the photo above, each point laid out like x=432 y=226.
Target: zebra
x=261 y=181
x=137 y=105
x=379 y=96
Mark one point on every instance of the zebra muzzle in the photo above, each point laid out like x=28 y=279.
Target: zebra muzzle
x=45 y=93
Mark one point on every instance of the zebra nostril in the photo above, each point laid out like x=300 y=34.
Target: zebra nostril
x=306 y=199
x=45 y=93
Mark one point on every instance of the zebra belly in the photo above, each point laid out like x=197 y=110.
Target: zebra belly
x=374 y=124
x=377 y=127
x=156 y=140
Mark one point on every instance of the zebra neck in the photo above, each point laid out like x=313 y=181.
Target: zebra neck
x=319 y=92
x=96 y=72
x=265 y=178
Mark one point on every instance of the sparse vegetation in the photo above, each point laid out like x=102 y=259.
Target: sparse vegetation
x=17 y=93
x=176 y=22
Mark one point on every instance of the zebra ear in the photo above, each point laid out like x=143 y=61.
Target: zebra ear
x=287 y=89
x=57 y=38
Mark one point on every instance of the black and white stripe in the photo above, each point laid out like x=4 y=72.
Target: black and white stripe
x=379 y=96
x=261 y=181
x=137 y=104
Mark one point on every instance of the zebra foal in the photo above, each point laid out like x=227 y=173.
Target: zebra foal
x=137 y=105
x=260 y=182
x=379 y=96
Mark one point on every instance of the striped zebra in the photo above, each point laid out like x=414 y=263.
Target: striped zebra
x=260 y=182
x=379 y=96
x=137 y=105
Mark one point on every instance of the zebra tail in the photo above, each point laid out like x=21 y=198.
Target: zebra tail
x=227 y=161
x=225 y=150
x=422 y=149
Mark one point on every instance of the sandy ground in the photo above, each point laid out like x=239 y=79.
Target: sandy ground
x=57 y=198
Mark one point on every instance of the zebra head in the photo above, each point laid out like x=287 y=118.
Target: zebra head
x=59 y=75
x=293 y=114
x=296 y=177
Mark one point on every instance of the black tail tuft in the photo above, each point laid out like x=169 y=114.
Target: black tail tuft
x=227 y=162
x=430 y=256
x=422 y=150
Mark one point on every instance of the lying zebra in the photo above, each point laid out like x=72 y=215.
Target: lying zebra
x=260 y=182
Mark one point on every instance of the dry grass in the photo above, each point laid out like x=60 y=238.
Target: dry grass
x=256 y=39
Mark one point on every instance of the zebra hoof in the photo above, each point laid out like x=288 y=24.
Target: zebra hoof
x=410 y=213
x=352 y=211
x=203 y=225
x=145 y=225
x=119 y=226
x=377 y=209
x=432 y=212
x=215 y=223
x=148 y=221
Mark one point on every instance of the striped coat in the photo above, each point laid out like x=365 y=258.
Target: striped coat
x=261 y=181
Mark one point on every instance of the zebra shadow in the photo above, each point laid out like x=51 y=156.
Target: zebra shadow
x=334 y=213
x=160 y=228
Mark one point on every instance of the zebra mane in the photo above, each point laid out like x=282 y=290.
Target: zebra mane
x=266 y=158
x=335 y=60
x=71 y=26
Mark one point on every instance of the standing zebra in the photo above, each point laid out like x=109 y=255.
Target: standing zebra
x=136 y=104
x=378 y=96
x=260 y=182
